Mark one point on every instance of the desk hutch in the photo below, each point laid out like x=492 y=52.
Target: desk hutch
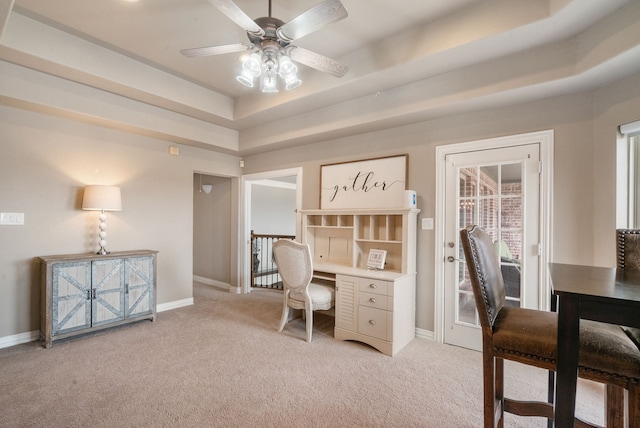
x=376 y=307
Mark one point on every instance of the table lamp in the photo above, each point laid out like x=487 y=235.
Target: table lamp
x=102 y=198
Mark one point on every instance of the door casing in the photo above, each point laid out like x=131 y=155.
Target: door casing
x=545 y=139
x=244 y=279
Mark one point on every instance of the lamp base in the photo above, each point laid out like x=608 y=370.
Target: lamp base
x=103 y=251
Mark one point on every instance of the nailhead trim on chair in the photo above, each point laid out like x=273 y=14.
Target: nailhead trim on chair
x=612 y=376
x=530 y=356
x=492 y=316
x=584 y=369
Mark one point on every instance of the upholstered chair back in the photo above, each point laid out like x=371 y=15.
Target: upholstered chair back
x=294 y=265
x=628 y=256
x=484 y=271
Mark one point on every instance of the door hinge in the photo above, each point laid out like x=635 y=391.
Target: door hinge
x=539 y=167
x=539 y=249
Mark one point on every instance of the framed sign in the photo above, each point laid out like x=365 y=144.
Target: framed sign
x=369 y=183
x=376 y=259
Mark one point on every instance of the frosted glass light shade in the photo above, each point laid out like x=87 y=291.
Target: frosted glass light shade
x=99 y=198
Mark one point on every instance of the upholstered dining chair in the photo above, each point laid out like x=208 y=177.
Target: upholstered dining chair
x=296 y=270
x=529 y=337
x=628 y=258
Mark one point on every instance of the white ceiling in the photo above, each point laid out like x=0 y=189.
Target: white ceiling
x=410 y=60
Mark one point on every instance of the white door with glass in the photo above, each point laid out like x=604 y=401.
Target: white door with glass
x=498 y=190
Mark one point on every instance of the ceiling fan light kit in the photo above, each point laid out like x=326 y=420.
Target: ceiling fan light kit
x=273 y=54
x=266 y=64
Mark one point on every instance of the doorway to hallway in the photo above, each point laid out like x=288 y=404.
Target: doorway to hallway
x=262 y=213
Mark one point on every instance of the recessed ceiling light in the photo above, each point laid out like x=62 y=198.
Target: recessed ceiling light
x=131 y=1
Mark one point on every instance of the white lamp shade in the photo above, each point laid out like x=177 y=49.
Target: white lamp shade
x=105 y=198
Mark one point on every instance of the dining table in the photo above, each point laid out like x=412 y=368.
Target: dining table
x=602 y=294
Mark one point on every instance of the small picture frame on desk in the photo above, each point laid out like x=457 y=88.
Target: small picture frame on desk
x=376 y=259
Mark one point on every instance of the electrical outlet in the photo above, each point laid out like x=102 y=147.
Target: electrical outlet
x=12 y=219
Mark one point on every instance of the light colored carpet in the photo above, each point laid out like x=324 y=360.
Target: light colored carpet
x=221 y=363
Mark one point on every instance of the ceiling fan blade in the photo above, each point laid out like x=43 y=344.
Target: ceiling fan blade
x=216 y=50
x=313 y=19
x=317 y=61
x=233 y=12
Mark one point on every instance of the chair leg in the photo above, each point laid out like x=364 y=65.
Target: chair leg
x=614 y=406
x=309 y=313
x=499 y=400
x=489 y=376
x=285 y=316
x=633 y=398
x=551 y=393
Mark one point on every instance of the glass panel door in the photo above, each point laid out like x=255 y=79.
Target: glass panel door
x=488 y=190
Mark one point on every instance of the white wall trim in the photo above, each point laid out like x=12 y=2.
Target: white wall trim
x=246 y=181
x=630 y=128
x=424 y=334
x=174 y=305
x=212 y=282
x=18 y=339
x=546 y=140
x=276 y=183
x=32 y=336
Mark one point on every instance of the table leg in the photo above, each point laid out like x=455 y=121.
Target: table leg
x=567 y=370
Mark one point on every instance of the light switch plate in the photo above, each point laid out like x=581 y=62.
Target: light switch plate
x=12 y=219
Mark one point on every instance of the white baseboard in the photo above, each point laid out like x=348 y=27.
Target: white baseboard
x=18 y=339
x=424 y=334
x=31 y=336
x=212 y=282
x=174 y=305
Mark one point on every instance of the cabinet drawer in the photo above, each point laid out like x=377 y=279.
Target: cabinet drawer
x=373 y=322
x=374 y=300
x=374 y=286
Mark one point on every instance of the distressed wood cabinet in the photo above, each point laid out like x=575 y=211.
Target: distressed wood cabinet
x=82 y=293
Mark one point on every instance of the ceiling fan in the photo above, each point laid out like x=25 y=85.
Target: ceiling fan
x=270 y=40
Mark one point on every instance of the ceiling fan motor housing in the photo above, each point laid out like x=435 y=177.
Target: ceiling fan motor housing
x=269 y=25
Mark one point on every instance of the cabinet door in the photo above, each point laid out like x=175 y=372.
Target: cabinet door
x=346 y=302
x=71 y=297
x=108 y=294
x=139 y=286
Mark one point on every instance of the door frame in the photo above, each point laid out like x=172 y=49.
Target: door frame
x=546 y=140
x=246 y=182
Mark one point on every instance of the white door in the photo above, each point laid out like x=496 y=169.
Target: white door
x=499 y=190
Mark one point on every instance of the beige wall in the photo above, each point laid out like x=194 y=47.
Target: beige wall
x=211 y=229
x=273 y=210
x=584 y=186
x=44 y=164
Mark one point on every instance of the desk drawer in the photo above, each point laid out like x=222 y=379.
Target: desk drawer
x=375 y=286
x=374 y=300
x=372 y=322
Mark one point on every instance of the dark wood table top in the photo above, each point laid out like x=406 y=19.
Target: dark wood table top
x=598 y=282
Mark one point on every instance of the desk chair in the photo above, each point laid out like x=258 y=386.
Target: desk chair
x=296 y=270
x=529 y=337
x=628 y=256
